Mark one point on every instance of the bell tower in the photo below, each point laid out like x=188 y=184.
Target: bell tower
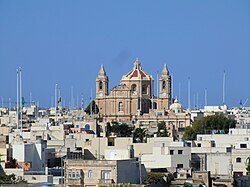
x=165 y=89
x=102 y=83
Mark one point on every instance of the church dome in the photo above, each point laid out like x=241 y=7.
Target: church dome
x=176 y=107
x=137 y=73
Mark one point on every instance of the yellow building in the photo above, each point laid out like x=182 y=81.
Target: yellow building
x=133 y=96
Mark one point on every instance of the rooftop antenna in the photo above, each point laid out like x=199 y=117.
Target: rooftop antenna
x=205 y=96
x=91 y=102
x=30 y=98
x=179 y=97
x=72 y=97
x=157 y=87
x=224 y=85
x=21 y=103
x=152 y=92
x=77 y=101
x=189 y=92
x=59 y=97
x=197 y=100
x=194 y=102
x=55 y=102
x=140 y=96
x=172 y=88
x=17 y=98
x=82 y=102
x=9 y=103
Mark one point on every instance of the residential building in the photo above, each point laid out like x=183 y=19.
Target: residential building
x=102 y=172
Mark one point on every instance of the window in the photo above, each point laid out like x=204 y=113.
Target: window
x=120 y=107
x=238 y=159
x=87 y=127
x=74 y=175
x=212 y=143
x=105 y=175
x=179 y=165
x=229 y=149
x=78 y=175
x=100 y=85
x=171 y=152
x=90 y=174
x=180 y=152
x=144 y=89
x=69 y=175
x=246 y=138
x=243 y=145
x=198 y=145
x=133 y=88
x=164 y=85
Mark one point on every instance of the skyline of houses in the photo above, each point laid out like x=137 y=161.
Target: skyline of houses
x=66 y=146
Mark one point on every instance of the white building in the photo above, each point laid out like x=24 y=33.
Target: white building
x=32 y=154
x=169 y=155
x=222 y=154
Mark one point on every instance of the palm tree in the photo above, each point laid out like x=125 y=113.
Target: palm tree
x=140 y=135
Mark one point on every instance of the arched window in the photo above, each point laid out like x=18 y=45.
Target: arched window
x=164 y=85
x=238 y=159
x=87 y=127
x=133 y=88
x=100 y=85
x=144 y=89
x=120 y=107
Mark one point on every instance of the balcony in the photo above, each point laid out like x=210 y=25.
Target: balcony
x=75 y=181
x=106 y=181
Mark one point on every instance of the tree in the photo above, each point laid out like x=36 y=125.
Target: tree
x=121 y=130
x=162 y=130
x=154 y=178
x=7 y=179
x=139 y=135
x=206 y=124
x=92 y=108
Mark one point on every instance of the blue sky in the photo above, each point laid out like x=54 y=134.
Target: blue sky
x=65 y=42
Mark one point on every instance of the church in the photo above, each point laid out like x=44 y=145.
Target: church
x=134 y=96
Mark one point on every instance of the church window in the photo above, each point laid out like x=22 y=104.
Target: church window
x=144 y=89
x=164 y=85
x=100 y=85
x=133 y=88
x=120 y=107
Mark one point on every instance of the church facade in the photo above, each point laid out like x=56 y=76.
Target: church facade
x=133 y=97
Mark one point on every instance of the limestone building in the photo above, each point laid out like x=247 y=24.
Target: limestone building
x=133 y=96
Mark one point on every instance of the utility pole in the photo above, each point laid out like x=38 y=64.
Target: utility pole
x=17 y=99
x=223 y=87
x=140 y=168
x=189 y=93
x=206 y=97
x=21 y=103
x=55 y=103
